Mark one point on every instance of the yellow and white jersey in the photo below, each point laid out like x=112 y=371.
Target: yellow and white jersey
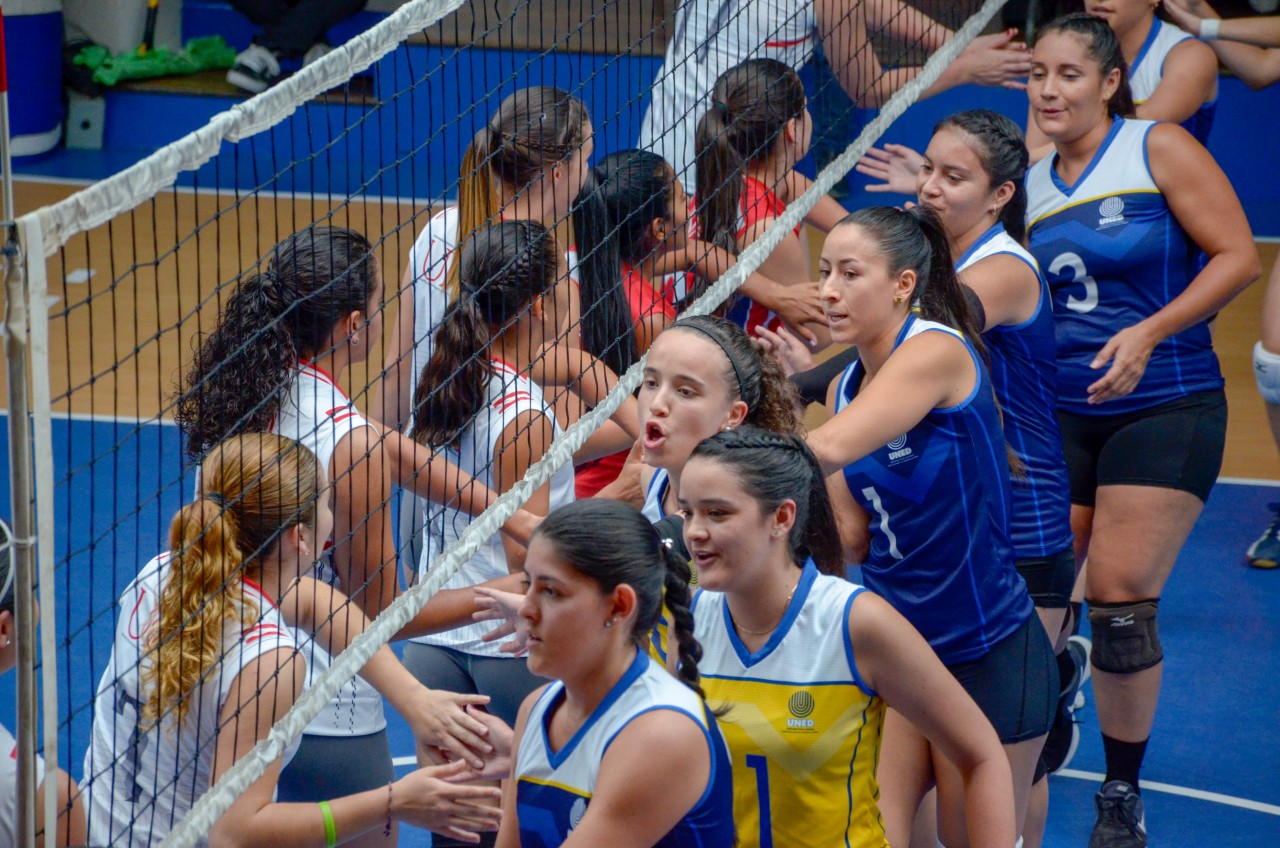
x=803 y=730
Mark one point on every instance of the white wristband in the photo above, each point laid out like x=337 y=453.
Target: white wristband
x=1209 y=28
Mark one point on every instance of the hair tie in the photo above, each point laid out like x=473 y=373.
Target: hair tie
x=722 y=108
x=742 y=388
x=215 y=498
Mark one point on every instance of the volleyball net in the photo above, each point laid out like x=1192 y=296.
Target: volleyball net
x=119 y=283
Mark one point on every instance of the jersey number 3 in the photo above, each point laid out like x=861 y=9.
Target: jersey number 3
x=1073 y=263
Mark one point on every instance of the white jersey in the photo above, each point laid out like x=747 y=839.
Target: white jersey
x=509 y=395
x=319 y=414
x=139 y=782
x=1148 y=66
x=712 y=36
x=9 y=786
x=654 y=496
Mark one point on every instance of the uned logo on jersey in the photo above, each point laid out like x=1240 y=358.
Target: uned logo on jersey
x=898 y=449
x=801 y=706
x=1111 y=212
x=576 y=812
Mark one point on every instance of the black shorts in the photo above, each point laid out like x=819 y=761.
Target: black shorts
x=332 y=766
x=1174 y=445
x=1049 y=579
x=1015 y=684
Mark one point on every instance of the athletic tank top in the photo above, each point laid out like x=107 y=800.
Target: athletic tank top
x=1114 y=254
x=709 y=38
x=1147 y=71
x=140 y=781
x=318 y=414
x=554 y=788
x=938 y=497
x=654 y=495
x=802 y=728
x=1024 y=377
x=508 y=396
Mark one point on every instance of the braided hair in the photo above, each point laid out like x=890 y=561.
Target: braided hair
x=631 y=553
x=776 y=467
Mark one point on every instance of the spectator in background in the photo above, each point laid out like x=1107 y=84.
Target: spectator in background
x=289 y=29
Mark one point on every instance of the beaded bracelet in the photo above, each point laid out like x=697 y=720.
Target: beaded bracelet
x=386 y=831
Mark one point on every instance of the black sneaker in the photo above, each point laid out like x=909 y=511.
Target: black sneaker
x=1121 y=822
x=255 y=70
x=1265 y=553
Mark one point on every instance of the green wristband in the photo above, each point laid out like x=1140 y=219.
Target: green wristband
x=330 y=831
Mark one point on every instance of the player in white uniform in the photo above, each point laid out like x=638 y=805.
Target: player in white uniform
x=617 y=751
x=800 y=664
x=711 y=36
x=71 y=824
x=1114 y=218
x=184 y=696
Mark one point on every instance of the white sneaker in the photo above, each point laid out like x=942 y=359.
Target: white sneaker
x=255 y=70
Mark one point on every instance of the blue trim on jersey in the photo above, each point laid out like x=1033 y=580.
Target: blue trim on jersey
x=706 y=736
x=1146 y=47
x=848 y=643
x=977 y=376
x=557 y=758
x=768 y=681
x=1146 y=153
x=663 y=479
x=996 y=229
x=848 y=784
x=1041 y=299
x=1068 y=190
x=807 y=575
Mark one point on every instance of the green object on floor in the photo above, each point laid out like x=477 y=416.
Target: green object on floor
x=208 y=53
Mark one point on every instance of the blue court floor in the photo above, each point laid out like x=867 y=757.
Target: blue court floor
x=1214 y=759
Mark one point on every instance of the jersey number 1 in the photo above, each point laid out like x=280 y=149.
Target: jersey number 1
x=760 y=765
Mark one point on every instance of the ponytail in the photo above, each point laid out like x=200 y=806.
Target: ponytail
x=504 y=268
x=255 y=486
x=775 y=467
x=751 y=104
x=242 y=370
x=477 y=197
x=607 y=328
x=629 y=553
x=677 y=596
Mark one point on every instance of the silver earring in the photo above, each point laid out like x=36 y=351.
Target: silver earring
x=609 y=623
x=355 y=341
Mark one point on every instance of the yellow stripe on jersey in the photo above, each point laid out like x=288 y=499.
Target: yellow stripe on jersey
x=804 y=761
x=1076 y=203
x=554 y=785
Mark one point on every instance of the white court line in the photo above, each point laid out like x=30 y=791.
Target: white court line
x=1247 y=481
x=93 y=418
x=1170 y=789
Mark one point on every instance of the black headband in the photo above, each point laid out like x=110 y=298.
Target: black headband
x=742 y=387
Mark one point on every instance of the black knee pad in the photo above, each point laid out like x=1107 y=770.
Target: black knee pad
x=1126 y=638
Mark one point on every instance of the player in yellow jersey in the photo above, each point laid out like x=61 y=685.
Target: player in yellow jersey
x=802 y=662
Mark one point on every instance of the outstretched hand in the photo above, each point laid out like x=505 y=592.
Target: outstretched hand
x=440 y=720
x=896 y=166
x=438 y=799
x=503 y=607
x=996 y=60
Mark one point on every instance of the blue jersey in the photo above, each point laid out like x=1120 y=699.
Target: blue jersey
x=1147 y=71
x=938 y=497
x=1024 y=378
x=1114 y=254
x=554 y=788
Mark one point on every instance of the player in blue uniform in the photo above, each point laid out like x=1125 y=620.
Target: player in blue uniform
x=617 y=751
x=800 y=664
x=1115 y=217
x=917 y=433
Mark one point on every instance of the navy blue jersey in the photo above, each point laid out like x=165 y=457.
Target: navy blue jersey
x=1024 y=377
x=554 y=788
x=1147 y=71
x=1114 y=254
x=938 y=497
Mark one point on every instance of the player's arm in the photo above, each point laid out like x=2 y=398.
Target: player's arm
x=1190 y=79
x=1008 y=288
x=1259 y=67
x=523 y=442
x=364 y=554
x=930 y=370
x=652 y=775
x=1203 y=202
x=896 y=662
x=395 y=393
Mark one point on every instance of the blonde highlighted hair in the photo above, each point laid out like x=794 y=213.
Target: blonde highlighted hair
x=253 y=488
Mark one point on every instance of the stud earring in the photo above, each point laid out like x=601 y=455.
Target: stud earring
x=897 y=301
x=355 y=341
x=608 y=623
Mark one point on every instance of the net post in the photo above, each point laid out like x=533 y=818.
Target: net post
x=23 y=551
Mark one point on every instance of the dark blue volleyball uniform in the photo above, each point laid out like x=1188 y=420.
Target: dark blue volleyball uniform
x=1114 y=254
x=1024 y=377
x=938 y=497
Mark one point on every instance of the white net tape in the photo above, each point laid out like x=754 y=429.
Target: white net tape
x=215 y=802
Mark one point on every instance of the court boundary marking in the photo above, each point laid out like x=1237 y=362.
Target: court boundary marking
x=1171 y=789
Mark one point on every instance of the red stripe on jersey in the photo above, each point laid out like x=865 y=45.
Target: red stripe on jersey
x=788 y=43
x=502 y=365
x=255 y=587
x=133 y=617
x=508 y=401
x=321 y=375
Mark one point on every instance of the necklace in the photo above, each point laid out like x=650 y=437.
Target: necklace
x=774 y=626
